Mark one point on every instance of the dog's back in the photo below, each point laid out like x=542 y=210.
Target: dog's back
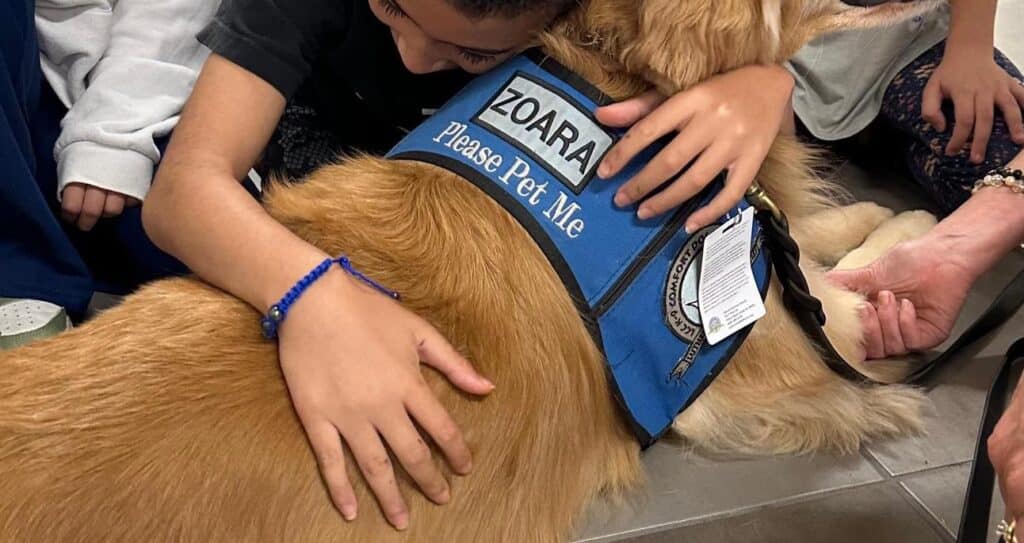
x=168 y=415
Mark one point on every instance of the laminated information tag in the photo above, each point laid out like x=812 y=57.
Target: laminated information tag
x=729 y=298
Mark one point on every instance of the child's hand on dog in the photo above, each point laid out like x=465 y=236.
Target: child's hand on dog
x=726 y=123
x=351 y=358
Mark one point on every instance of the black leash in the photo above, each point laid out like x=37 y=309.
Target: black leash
x=974 y=527
x=796 y=295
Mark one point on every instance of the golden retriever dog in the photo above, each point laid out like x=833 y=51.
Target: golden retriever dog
x=167 y=418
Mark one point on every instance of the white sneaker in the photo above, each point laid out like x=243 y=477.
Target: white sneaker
x=24 y=321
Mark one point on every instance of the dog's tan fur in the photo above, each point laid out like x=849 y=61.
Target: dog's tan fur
x=167 y=417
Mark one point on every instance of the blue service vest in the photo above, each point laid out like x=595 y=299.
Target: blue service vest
x=524 y=133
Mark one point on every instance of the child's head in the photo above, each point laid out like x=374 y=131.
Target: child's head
x=474 y=35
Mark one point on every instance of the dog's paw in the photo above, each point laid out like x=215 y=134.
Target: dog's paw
x=911 y=224
x=867 y=214
x=903 y=227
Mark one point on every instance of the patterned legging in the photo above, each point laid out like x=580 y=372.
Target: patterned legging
x=947 y=179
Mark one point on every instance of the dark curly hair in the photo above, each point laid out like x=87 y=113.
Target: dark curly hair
x=509 y=8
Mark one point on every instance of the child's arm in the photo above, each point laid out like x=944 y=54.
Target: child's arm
x=350 y=355
x=969 y=77
x=726 y=123
x=124 y=69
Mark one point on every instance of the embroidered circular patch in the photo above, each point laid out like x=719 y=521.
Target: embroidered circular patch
x=681 y=305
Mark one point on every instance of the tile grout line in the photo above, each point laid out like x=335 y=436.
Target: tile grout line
x=930 y=516
x=932 y=469
x=739 y=511
x=875 y=463
x=887 y=478
x=891 y=481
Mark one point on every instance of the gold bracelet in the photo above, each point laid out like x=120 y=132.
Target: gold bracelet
x=1012 y=180
x=1006 y=531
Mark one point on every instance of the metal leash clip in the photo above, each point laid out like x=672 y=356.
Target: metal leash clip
x=762 y=202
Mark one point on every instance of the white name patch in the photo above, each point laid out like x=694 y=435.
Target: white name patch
x=548 y=126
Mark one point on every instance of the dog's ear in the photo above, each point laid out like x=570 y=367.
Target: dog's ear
x=809 y=19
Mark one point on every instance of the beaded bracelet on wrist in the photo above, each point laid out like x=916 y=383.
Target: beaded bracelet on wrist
x=277 y=312
x=1007 y=531
x=1002 y=177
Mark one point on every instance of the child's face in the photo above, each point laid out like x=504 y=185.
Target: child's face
x=431 y=35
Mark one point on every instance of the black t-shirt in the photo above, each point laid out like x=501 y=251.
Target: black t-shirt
x=335 y=56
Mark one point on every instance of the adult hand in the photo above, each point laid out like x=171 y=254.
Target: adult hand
x=1006 y=451
x=917 y=291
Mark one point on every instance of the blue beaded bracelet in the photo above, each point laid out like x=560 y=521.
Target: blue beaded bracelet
x=277 y=312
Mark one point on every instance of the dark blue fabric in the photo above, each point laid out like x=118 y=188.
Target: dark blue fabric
x=40 y=257
x=635 y=279
x=38 y=260
x=947 y=179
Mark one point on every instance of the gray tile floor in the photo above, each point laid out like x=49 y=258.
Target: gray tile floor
x=909 y=490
